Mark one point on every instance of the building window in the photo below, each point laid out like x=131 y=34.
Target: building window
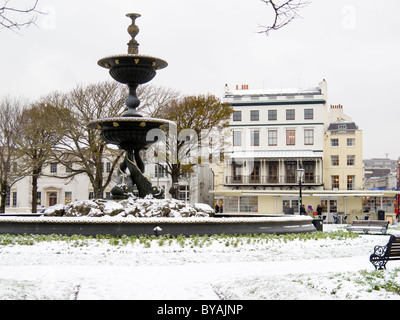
x=290 y=137
x=248 y=204
x=68 y=167
x=334 y=142
x=272 y=172
x=254 y=115
x=351 y=142
x=231 y=204
x=334 y=161
x=255 y=138
x=350 y=160
x=108 y=166
x=38 y=198
x=342 y=127
x=290 y=114
x=14 y=199
x=184 y=193
x=290 y=206
x=68 y=197
x=335 y=182
x=308 y=136
x=308 y=114
x=290 y=172
x=237 y=138
x=272 y=137
x=237 y=115
x=255 y=175
x=350 y=182
x=272 y=115
x=53 y=167
x=309 y=169
x=241 y=204
x=237 y=172
x=8 y=199
x=159 y=171
x=91 y=195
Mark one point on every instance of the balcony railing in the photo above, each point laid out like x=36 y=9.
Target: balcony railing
x=273 y=180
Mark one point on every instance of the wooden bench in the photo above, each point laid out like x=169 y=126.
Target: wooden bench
x=382 y=254
x=369 y=225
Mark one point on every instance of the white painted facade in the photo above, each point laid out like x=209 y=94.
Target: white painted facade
x=52 y=190
x=273 y=134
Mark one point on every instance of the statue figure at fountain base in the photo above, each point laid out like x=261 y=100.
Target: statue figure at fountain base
x=126 y=181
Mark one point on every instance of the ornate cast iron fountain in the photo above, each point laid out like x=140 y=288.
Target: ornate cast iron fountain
x=129 y=132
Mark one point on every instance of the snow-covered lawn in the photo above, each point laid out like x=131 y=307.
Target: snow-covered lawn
x=223 y=268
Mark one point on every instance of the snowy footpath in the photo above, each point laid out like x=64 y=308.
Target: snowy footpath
x=92 y=270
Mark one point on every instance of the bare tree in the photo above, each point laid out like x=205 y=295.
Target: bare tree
x=10 y=171
x=41 y=129
x=14 y=17
x=81 y=149
x=195 y=117
x=155 y=98
x=285 y=11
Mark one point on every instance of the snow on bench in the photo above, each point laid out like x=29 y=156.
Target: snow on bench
x=366 y=226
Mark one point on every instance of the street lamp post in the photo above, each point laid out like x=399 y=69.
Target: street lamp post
x=300 y=176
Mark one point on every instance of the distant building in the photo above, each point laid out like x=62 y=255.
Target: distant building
x=343 y=157
x=53 y=189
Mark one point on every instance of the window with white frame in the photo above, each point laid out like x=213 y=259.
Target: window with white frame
x=351 y=142
x=334 y=161
x=272 y=115
x=308 y=114
x=53 y=167
x=272 y=137
x=351 y=160
x=335 y=182
x=290 y=137
x=334 y=142
x=159 y=171
x=237 y=115
x=68 y=197
x=290 y=114
x=350 y=182
x=237 y=138
x=255 y=138
x=254 y=115
x=309 y=136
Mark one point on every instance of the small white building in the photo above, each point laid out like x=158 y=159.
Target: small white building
x=52 y=189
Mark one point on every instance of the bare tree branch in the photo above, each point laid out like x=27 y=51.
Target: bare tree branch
x=285 y=11
x=16 y=17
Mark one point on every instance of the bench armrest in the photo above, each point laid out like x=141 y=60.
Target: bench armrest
x=380 y=250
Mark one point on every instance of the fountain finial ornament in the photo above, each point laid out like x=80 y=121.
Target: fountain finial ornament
x=133 y=30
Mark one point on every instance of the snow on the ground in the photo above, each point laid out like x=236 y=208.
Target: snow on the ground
x=94 y=269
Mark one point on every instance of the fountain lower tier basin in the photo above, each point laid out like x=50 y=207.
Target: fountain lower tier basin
x=130 y=133
x=90 y=226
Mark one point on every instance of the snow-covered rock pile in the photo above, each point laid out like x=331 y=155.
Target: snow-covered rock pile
x=137 y=207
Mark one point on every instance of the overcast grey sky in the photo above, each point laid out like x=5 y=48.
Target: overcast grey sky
x=353 y=44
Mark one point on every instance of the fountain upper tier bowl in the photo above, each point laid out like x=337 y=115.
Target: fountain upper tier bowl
x=132 y=68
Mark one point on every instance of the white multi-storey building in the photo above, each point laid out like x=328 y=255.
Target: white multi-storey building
x=274 y=133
